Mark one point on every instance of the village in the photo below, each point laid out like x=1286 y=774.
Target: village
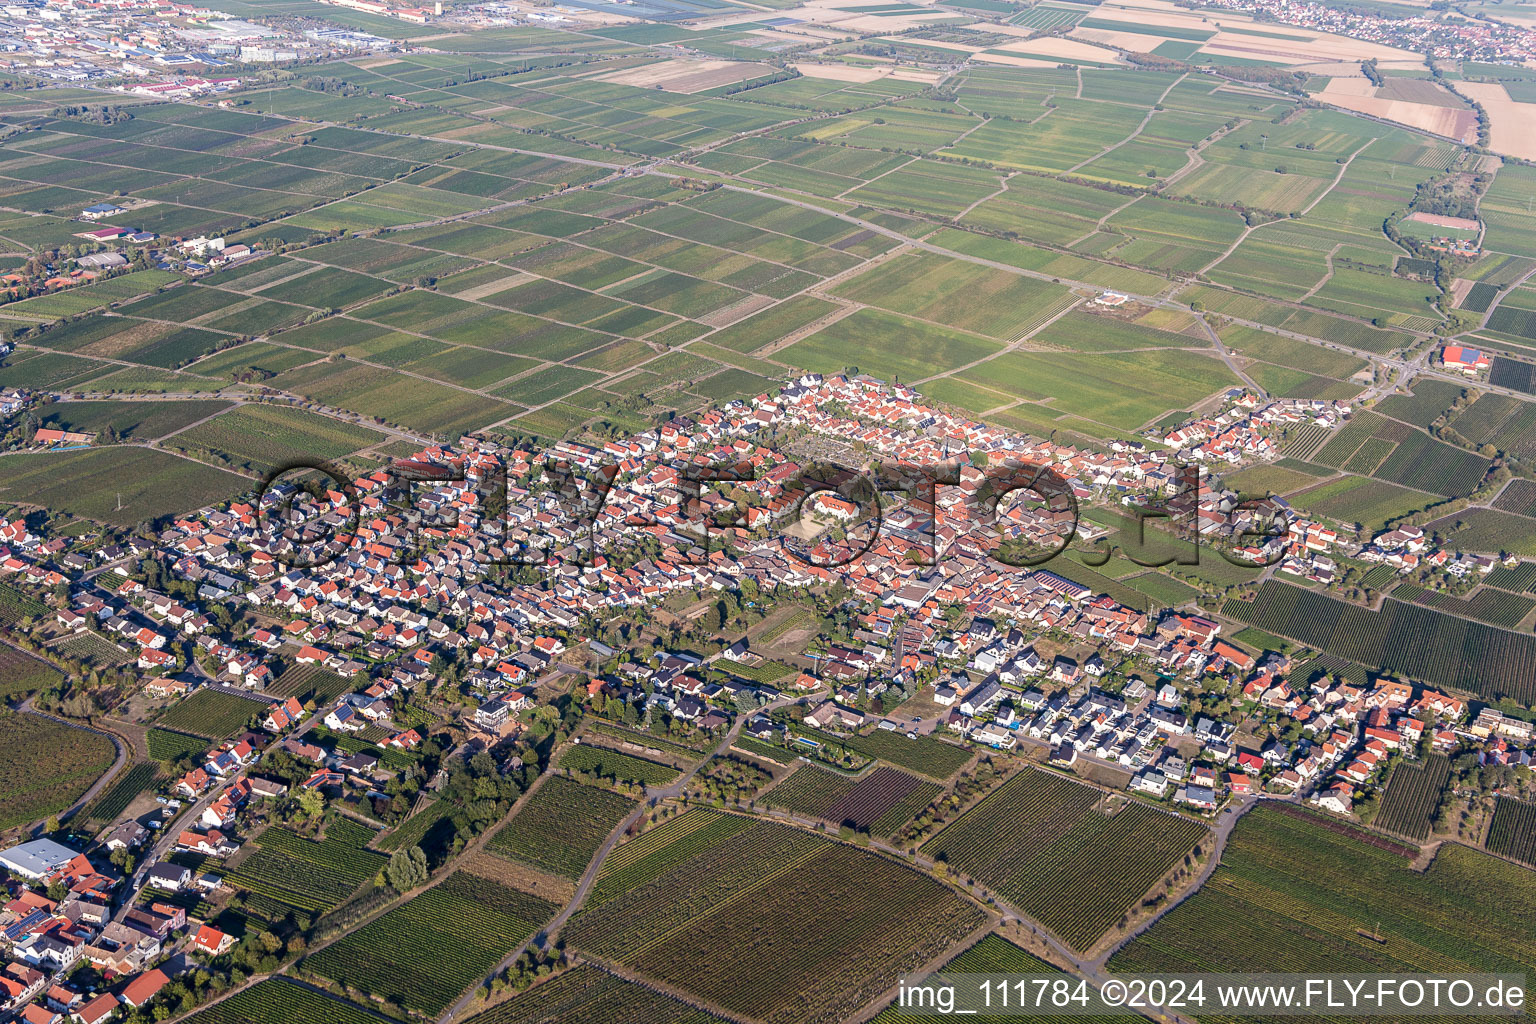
x=970 y=650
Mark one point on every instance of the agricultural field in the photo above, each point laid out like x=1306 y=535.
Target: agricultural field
x=925 y=755
x=879 y=803
x=166 y=746
x=590 y=995
x=260 y=438
x=1513 y=831
x=1298 y=892
x=1403 y=639
x=604 y=763
x=560 y=826
x=280 y=1001
x=75 y=758
x=309 y=682
x=209 y=713
x=135 y=779
x=1413 y=795
x=1489 y=530
x=673 y=922
x=420 y=955
x=291 y=872
x=22 y=675
x=996 y=955
x=1025 y=843
x=1487 y=605
x=145 y=483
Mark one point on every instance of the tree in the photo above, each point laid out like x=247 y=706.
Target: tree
x=407 y=869
x=311 y=803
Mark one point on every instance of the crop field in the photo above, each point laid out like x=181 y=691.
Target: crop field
x=1413 y=458
x=1513 y=831
x=75 y=759
x=644 y=858
x=1489 y=530
x=280 y=1001
x=308 y=875
x=1487 y=605
x=879 y=803
x=614 y=764
x=996 y=955
x=1122 y=390
x=1404 y=639
x=134 y=780
x=167 y=746
x=309 y=682
x=421 y=955
x=990 y=302
x=150 y=483
x=22 y=675
x=887 y=346
x=1359 y=499
x=926 y=755
x=1413 y=795
x=1026 y=841
x=684 y=900
x=377 y=392
x=209 y=713
x=1430 y=399
x=1294 y=893
x=1519 y=497
x=1513 y=374
x=590 y=995
x=560 y=826
x=260 y=438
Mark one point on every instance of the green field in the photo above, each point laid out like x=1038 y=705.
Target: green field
x=1298 y=892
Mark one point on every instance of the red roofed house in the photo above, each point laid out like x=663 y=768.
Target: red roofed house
x=143 y=988
x=212 y=941
x=97 y=1010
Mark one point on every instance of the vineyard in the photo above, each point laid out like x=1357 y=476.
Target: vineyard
x=1304 y=441
x=1487 y=605
x=646 y=857
x=15 y=606
x=414 y=829
x=114 y=800
x=309 y=682
x=560 y=826
x=1404 y=639
x=167 y=746
x=209 y=713
x=612 y=764
x=925 y=755
x=1517 y=578
x=1040 y=843
x=74 y=758
x=22 y=675
x=768 y=921
x=279 y=1001
x=312 y=876
x=879 y=803
x=1291 y=895
x=1413 y=797
x=588 y=995
x=996 y=955
x=1513 y=832
x=422 y=954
